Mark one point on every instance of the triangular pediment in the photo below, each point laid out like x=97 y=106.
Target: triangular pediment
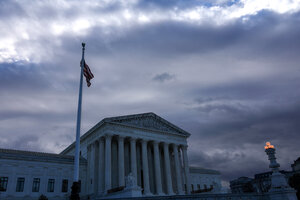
x=149 y=121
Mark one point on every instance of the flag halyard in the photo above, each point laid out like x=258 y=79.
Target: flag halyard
x=87 y=73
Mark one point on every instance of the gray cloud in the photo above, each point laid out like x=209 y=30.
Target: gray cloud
x=10 y=9
x=163 y=77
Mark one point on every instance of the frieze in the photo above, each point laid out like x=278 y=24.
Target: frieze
x=120 y=129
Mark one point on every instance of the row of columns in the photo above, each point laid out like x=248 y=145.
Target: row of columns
x=157 y=169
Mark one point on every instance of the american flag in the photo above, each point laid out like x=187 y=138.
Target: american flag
x=87 y=73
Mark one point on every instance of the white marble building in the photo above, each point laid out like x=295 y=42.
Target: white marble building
x=26 y=175
x=202 y=179
x=152 y=150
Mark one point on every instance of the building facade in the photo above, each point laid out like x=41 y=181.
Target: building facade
x=262 y=182
x=27 y=175
x=296 y=166
x=143 y=149
x=204 y=180
x=241 y=185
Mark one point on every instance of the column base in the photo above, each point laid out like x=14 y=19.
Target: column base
x=171 y=194
x=148 y=194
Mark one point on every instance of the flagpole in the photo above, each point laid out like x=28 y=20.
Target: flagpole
x=75 y=187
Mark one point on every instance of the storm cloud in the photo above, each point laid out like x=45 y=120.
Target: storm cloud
x=225 y=71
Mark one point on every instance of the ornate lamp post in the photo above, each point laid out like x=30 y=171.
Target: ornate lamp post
x=280 y=190
x=278 y=180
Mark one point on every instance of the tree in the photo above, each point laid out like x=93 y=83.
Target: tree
x=294 y=182
x=43 y=197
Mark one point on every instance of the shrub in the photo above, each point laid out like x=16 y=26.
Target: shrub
x=43 y=197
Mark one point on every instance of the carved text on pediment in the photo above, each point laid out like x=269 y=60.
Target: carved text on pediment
x=149 y=123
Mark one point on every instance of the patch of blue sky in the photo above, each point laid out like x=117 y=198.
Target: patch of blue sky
x=232 y=2
x=183 y=4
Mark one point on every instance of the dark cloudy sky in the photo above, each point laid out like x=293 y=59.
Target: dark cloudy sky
x=227 y=71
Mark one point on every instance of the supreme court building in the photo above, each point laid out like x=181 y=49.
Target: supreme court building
x=133 y=155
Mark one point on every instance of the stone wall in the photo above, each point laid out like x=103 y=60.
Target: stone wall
x=203 y=197
x=14 y=169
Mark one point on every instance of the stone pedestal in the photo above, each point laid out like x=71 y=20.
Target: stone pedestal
x=283 y=194
x=131 y=187
x=131 y=190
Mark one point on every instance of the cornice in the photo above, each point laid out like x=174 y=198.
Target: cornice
x=38 y=156
x=120 y=128
x=147 y=129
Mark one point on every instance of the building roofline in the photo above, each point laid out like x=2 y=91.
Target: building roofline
x=37 y=156
x=193 y=169
x=110 y=120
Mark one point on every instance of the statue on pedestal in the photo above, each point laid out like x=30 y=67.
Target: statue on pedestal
x=130 y=181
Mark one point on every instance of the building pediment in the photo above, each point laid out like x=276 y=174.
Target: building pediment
x=148 y=121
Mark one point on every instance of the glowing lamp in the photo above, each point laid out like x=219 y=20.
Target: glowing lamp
x=269 y=146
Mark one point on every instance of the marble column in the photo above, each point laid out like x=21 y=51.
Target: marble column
x=168 y=169
x=107 y=162
x=121 y=161
x=177 y=169
x=186 y=169
x=87 y=185
x=133 y=157
x=92 y=173
x=145 y=167
x=101 y=173
x=96 y=168
x=157 y=168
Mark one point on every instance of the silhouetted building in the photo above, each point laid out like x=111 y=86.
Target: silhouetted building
x=296 y=165
x=241 y=185
x=261 y=182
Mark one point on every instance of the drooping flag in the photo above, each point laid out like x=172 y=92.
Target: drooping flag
x=87 y=73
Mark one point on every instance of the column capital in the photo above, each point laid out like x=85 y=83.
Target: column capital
x=132 y=139
x=155 y=142
x=166 y=144
x=90 y=145
x=101 y=138
x=144 y=141
x=184 y=147
x=121 y=137
x=108 y=136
